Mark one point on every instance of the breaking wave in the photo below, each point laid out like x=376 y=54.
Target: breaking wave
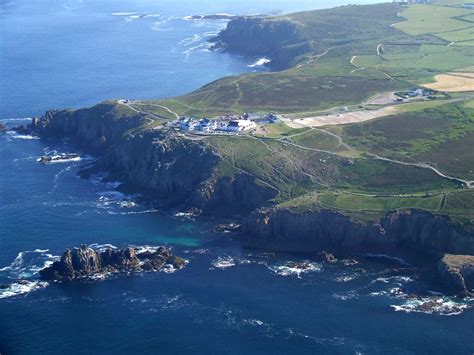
x=14 y=135
x=132 y=16
x=18 y=119
x=292 y=268
x=24 y=271
x=28 y=263
x=444 y=306
x=203 y=47
x=21 y=287
x=259 y=63
x=223 y=262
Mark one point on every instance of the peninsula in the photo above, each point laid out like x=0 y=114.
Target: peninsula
x=360 y=138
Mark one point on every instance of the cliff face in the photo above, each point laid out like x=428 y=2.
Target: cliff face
x=457 y=273
x=279 y=40
x=328 y=230
x=227 y=196
x=179 y=172
x=93 y=129
x=170 y=167
x=184 y=173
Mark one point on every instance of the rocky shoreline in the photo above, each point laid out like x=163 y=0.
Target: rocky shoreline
x=85 y=262
x=279 y=40
x=457 y=274
x=180 y=173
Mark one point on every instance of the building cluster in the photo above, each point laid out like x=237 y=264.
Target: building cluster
x=228 y=123
x=415 y=92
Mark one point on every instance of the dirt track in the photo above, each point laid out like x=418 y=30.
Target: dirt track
x=342 y=118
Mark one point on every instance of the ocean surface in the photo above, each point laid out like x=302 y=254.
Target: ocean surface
x=73 y=53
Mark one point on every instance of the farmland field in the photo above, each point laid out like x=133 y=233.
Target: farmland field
x=453 y=82
x=438 y=20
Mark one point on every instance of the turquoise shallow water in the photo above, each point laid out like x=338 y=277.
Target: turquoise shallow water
x=227 y=300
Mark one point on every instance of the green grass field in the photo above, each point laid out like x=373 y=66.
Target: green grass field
x=344 y=170
x=413 y=52
x=440 y=136
x=432 y=19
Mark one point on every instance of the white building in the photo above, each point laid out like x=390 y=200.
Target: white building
x=188 y=124
x=240 y=125
x=207 y=125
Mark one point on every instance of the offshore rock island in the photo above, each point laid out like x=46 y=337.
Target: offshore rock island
x=371 y=153
x=85 y=262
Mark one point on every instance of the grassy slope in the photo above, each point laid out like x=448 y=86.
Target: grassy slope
x=320 y=82
x=442 y=136
x=311 y=168
x=414 y=48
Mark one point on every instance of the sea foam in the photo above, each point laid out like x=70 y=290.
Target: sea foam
x=444 y=306
x=259 y=63
x=292 y=268
x=21 y=287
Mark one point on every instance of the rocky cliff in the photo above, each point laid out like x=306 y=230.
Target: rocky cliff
x=457 y=273
x=93 y=129
x=279 y=40
x=175 y=170
x=86 y=262
x=329 y=230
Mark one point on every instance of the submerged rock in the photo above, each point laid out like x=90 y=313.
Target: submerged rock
x=229 y=227
x=326 y=257
x=59 y=158
x=26 y=130
x=2 y=128
x=457 y=273
x=86 y=262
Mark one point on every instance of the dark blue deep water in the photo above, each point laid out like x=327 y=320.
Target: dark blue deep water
x=72 y=53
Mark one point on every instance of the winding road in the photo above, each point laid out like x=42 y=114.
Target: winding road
x=468 y=184
x=129 y=105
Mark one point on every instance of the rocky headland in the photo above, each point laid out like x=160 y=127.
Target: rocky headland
x=277 y=39
x=191 y=173
x=85 y=262
x=182 y=173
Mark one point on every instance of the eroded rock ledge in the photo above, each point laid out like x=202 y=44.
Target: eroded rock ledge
x=86 y=262
x=457 y=273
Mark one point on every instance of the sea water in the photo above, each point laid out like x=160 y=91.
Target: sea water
x=227 y=299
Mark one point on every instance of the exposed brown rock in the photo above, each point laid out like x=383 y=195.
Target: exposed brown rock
x=86 y=262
